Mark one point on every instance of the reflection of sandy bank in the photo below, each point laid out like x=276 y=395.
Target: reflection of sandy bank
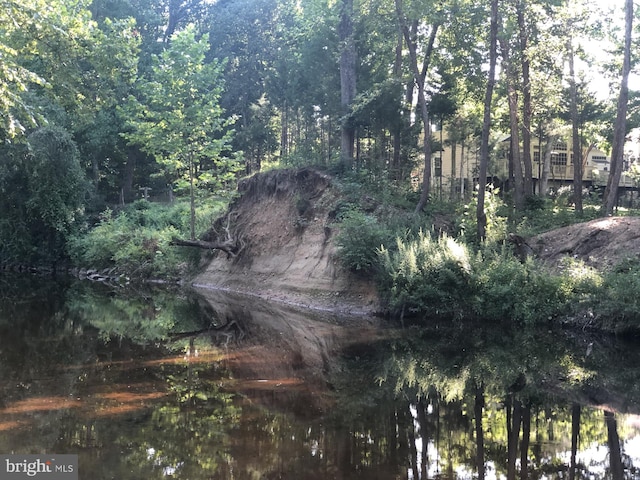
x=278 y=352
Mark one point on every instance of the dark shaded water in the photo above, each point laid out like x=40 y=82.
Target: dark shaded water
x=157 y=384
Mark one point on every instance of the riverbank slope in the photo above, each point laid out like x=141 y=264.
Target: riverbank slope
x=284 y=223
x=282 y=228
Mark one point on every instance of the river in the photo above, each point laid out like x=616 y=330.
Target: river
x=168 y=383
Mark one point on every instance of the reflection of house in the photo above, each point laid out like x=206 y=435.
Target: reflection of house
x=455 y=167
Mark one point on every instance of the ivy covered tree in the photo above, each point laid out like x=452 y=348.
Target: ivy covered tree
x=42 y=195
x=177 y=118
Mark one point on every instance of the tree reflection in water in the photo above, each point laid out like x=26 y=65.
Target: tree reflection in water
x=512 y=404
x=166 y=384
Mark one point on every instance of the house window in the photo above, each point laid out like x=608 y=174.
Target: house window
x=560 y=145
x=438 y=166
x=559 y=158
x=536 y=155
x=599 y=158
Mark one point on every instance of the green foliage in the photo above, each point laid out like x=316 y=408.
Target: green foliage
x=496 y=212
x=534 y=203
x=616 y=304
x=56 y=180
x=178 y=119
x=553 y=216
x=18 y=20
x=427 y=275
x=43 y=188
x=359 y=239
x=136 y=241
x=439 y=278
x=507 y=289
x=579 y=279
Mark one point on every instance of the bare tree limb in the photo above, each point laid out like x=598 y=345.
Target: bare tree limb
x=230 y=247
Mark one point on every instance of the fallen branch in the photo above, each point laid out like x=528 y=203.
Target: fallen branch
x=230 y=247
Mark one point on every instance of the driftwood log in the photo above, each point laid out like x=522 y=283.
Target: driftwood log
x=232 y=244
x=230 y=247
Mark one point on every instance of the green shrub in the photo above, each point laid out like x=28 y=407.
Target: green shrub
x=499 y=278
x=579 y=280
x=136 y=241
x=508 y=289
x=430 y=276
x=520 y=292
x=359 y=238
x=617 y=303
x=534 y=203
x=438 y=277
x=496 y=212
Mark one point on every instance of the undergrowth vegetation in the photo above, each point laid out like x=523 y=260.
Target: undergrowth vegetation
x=431 y=277
x=426 y=274
x=136 y=240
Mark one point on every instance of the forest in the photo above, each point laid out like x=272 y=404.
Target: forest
x=126 y=124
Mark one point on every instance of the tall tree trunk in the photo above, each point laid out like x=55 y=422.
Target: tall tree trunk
x=426 y=149
x=526 y=99
x=419 y=77
x=284 y=131
x=546 y=163
x=613 y=440
x=619 y=132
x=410 y=85
x=192 y=199
x=512 y=96
x=454 y=158
x=176 y=13
x=129 y=171
x=397 y=130
x=347 y=81
x=575 y=130
x=486 y=124
x=462 y=174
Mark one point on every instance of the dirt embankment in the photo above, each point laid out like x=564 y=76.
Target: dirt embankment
x=600 y=243
x=285 y=222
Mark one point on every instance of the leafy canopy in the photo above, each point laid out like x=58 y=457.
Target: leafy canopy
x=177 y=118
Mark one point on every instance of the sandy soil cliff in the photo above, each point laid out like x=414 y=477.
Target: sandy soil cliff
x=285 y=220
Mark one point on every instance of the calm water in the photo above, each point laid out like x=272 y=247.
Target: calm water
x=169 y=384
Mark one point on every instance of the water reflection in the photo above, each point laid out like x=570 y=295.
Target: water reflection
x=482 y=403
x=165 y=383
